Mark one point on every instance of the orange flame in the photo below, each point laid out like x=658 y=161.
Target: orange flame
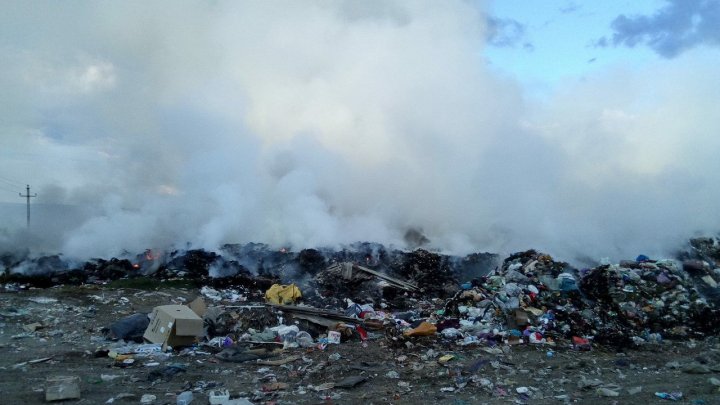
x=150 y=256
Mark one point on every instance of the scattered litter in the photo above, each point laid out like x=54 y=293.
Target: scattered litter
x=219 y=397
x=129 y=328
x=279 y=362
x=607 y=392
x=148 y=399
x=32 y=327
x=671 y=396
x=350 y=382
x=185 y=398
x=43 y=300
x=61 y=388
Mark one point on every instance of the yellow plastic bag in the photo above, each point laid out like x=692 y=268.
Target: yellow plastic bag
x=283 y=294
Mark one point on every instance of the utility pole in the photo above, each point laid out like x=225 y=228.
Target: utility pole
x=27 y=195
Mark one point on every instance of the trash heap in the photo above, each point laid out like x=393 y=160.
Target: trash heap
x=529 y=298
x=257 y=307
x=630 y=303
x=642 y=300
x=702 y=264
x=534 y=299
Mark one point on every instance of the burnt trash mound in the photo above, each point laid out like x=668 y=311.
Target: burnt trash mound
x=252 y=264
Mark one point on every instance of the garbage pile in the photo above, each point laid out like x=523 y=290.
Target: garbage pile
x=702 y=264
x=646 y=300
x=530 y=298
x=534 y=299
x=250 y=305
x=705 y=249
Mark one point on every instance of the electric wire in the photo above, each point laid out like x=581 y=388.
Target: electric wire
x=10 y=182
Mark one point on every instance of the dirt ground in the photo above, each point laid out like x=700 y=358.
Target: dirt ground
x=70 y=342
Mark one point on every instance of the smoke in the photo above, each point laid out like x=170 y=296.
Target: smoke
x=321 y=123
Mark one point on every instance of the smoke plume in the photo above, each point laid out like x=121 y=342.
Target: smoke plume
x=322 y=123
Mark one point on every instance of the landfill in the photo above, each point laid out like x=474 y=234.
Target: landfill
x=250 y=324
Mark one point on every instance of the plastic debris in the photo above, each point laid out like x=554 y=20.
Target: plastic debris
x=148 y=399
x=185 y=398
x=424 y=329
x=671 y=396
x=129 y=328
x=283 y=294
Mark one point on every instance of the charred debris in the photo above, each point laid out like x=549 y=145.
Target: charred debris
x=251 y=265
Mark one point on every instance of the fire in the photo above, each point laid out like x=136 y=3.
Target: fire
x=150 y=256
x=145 y=259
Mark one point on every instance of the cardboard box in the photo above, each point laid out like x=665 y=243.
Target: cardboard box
x=521 y=317
x=198 y=306
x=174 y=325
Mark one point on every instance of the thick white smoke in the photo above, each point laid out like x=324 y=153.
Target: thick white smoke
x=319 y=123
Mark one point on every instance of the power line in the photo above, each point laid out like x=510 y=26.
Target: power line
x=10 y=182
x=7 y=189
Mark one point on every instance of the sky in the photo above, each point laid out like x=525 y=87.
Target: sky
x=542 y=43
x=583 y=129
